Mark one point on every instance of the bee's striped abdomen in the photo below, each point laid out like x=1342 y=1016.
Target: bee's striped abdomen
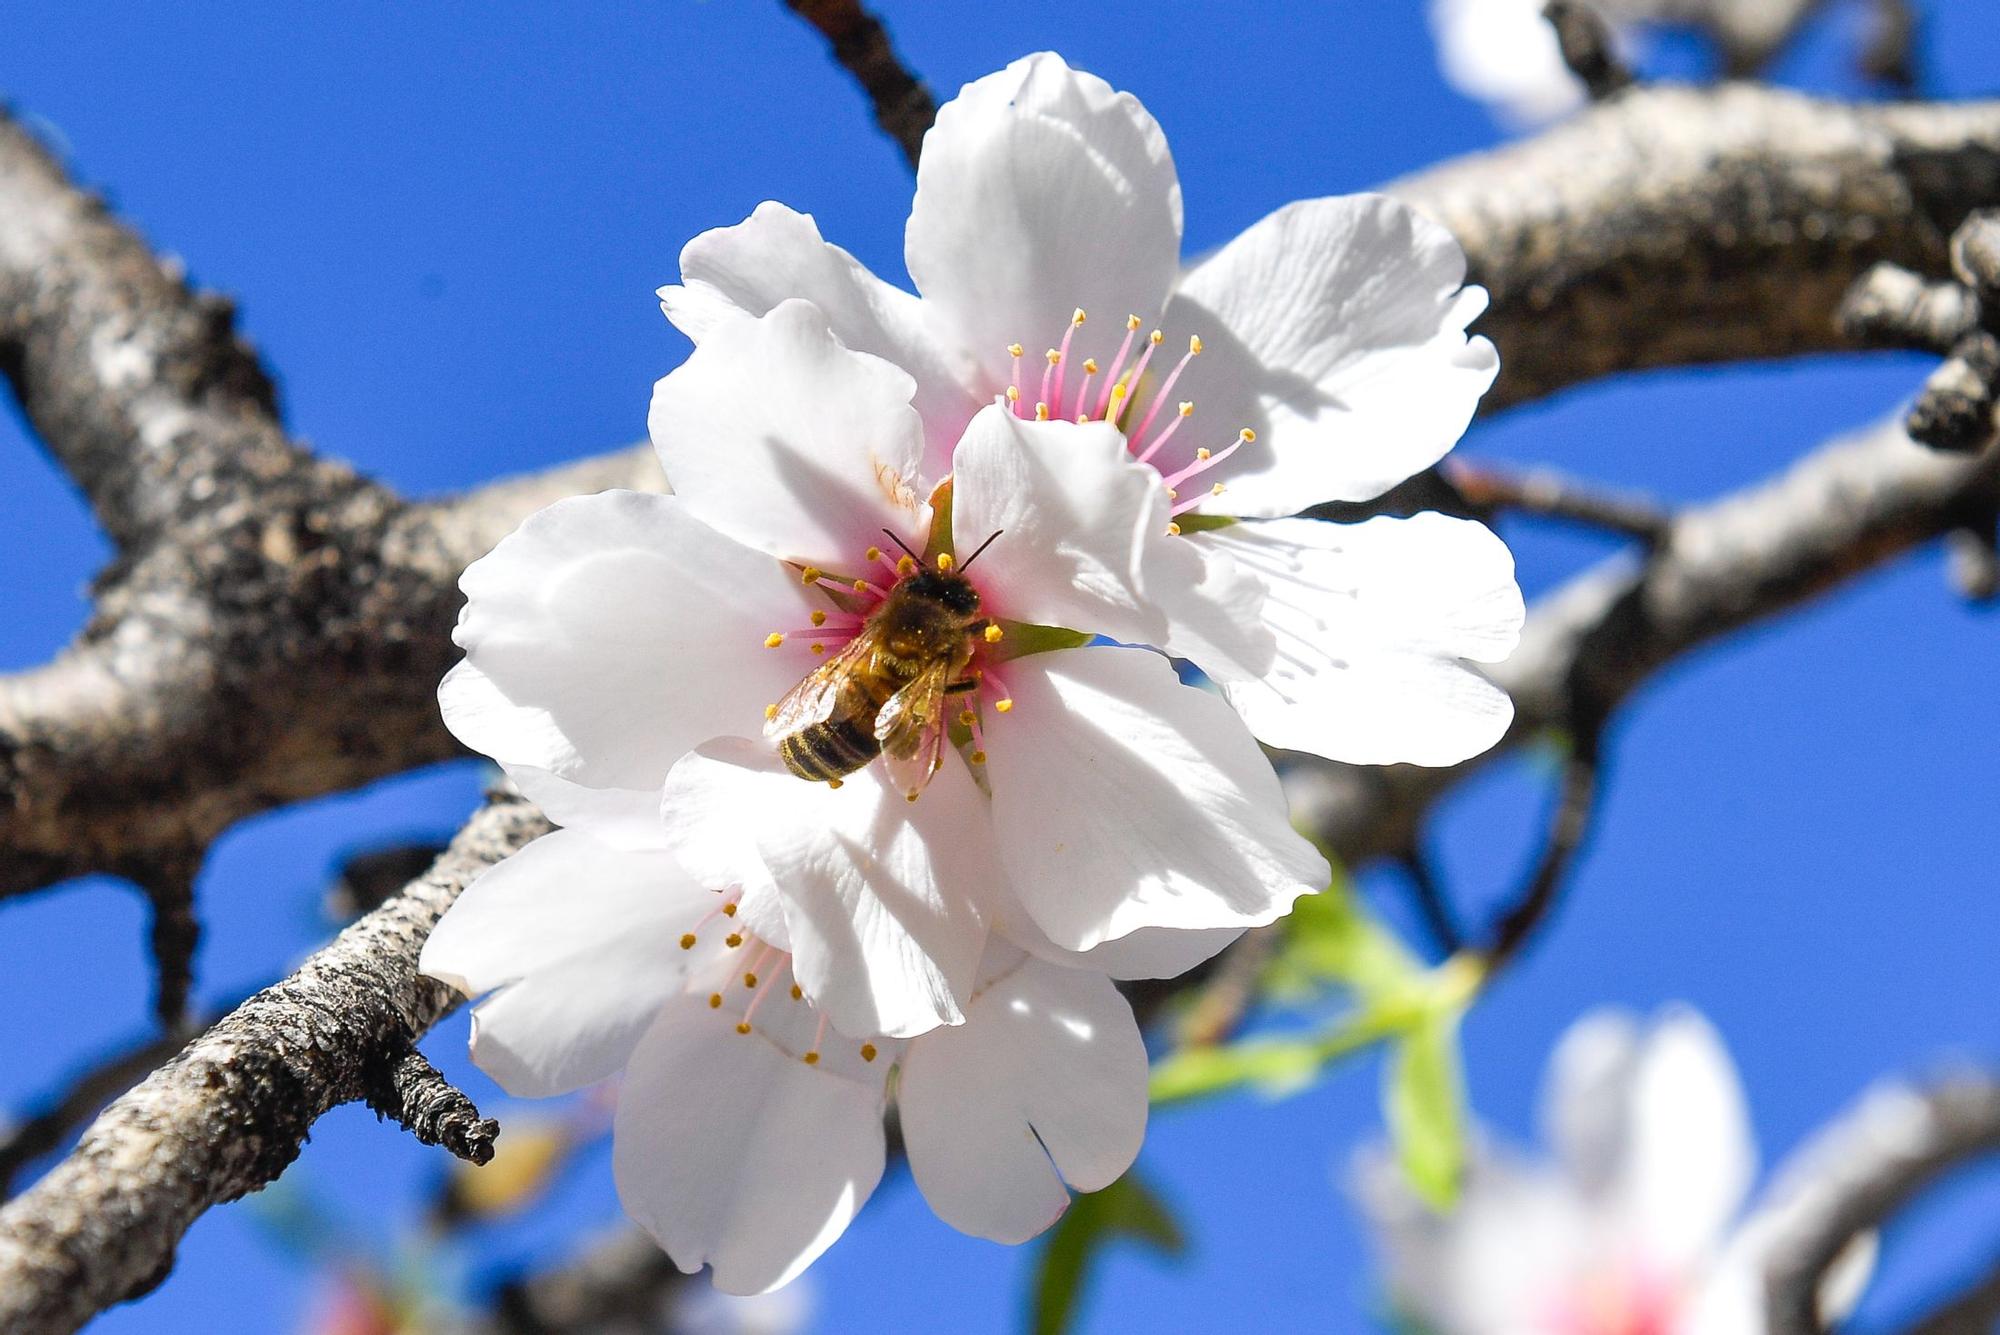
x=826 y=751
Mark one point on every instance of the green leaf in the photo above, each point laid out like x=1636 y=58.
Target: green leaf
x=1424 y=1106
x=1331 y=938
x=1275 y=1067
x=1125 y=1209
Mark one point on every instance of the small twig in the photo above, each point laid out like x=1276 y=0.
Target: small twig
x=1229 y=991
x=1569 y=826
x=1881 y=1156
x=1955 y=412
x=1552 y=495
x=1975 y=260
x=1588 y=47
x=1432 y=902
x=176 y=933
x=418 y=1098
x=1889 y=56
x=904 y=107
x=1890 y=307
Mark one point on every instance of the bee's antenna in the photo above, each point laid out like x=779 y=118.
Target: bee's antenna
x=982 y=547
x=904 y=545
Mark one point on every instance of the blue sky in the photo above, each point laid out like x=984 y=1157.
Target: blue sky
x=444 y=230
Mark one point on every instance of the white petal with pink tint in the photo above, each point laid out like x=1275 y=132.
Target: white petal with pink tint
x=776 y=434
x=1044 y=1084
x=1336 y=329
x=579 y=939
x=604 y=638
x=1123 y=799
x=1078 y=521
x=737 y=1155
x=1042 y=189
x=880 y=893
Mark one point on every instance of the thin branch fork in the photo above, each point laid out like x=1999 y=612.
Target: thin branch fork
x=229 y=1113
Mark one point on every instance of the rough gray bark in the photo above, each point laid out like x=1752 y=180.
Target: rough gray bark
x=230 y=1112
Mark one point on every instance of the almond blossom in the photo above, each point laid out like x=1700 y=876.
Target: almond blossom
x=1319 y=356
x=625 y=653
x=1633 y=1229
x=749 y=1129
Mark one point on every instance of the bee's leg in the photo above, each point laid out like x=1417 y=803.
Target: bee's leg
x=961 y=687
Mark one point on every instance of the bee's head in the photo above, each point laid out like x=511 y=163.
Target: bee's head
x=946 y=587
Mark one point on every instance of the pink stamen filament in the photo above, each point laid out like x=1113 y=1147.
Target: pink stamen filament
x=1061 y=367
x=1166 y=434
x=763 y=989
x=1048 y=379
x=1117 y=365
x=1166 y=391
x=1201 y=465
x=1139 y=374
x=1083 y=390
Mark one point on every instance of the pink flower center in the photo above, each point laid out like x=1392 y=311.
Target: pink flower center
x=1120 y=393
x=1629 y=1301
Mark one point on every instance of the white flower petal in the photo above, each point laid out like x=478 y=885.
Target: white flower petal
x=581 y=939
x=880 y=894
x=1375 y=623
x=779 y=436
x=1586 y=1099
x=1503 y=52
x=1336 y=329
x=1078 y=519
x=1691 y=1155
x=1150 y=952
x=734 y=1154
x=604 y=638
x=1044 y=1083
x=1041 y=190
x=777 y=253
x=1123 y=799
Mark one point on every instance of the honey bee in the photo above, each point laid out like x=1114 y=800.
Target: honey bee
x=884 y=692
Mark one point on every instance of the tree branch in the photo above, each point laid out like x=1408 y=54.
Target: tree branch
x=903 y=106
x=1880 y=1156
x=230 y=1112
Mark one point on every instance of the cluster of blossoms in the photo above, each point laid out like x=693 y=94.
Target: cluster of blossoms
x=873 y=770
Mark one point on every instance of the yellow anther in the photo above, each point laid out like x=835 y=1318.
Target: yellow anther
x=819 y=617
x=979 y=757
x=1041 y=412
x=874 y=554
x=1132 y=323
x=1054 y=356
x=1215 y=490
x=1194 y=345
x=905 y=566
x=749 y=980
x=945 y=562
x=1004 y=706
x=742 y=1026
x=810 y=1059
x=859 y=586
x=1013 y=393
x=994 y=634
x=1247 y=434
x=1156 y=338
x=733 y=940
x=810 y=575
x=910 y=796
x=1187 y=408
x=797 y=994
x=1201 y=454
x=1077 y=316
x=1014 y=349
x=774 y=639
x=1118 y=391
x=1173 y=530
x=868 y=1052
x=770 y=712
x=1090 y=366
x=715 y=1001
x=687 y=940
x=833 y=783
x=818 y=648
x=728 y=910
x=966 y=718
x=1172 y=494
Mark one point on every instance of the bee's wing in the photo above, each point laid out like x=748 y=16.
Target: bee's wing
x=911 y=727
x=814 y=699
